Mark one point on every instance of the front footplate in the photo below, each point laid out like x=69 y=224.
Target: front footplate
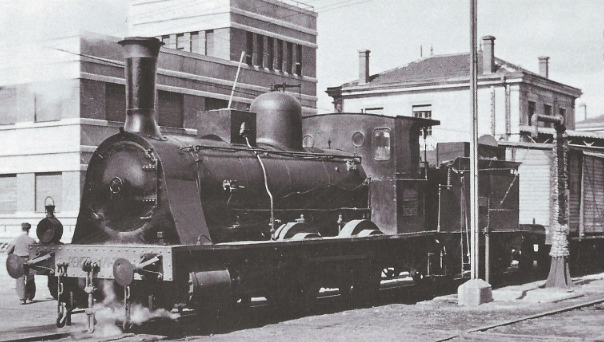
x=148 y=261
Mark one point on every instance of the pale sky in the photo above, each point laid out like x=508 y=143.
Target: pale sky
x=571 y=33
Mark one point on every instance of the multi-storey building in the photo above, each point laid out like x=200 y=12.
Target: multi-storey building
x=437 y=87
x=60 y=98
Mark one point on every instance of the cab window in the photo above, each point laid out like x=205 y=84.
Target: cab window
x=381 y=143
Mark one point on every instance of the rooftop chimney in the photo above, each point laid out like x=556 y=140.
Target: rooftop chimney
x=141 y=65
x=583 y=110
x=363 y=66
x=544 y=66
x=488 y=54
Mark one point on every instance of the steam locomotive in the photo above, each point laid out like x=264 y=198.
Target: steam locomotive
x=257 y=204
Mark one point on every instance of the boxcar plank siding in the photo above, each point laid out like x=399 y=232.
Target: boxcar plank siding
x=574 y=185
x=535 y=185
x=593 y=193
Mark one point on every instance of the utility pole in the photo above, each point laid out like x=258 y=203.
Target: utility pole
x=474 y=145
x=475 y=291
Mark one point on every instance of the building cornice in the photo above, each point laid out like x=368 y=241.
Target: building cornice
x=288 y=4
x=278 y=22
x=548 y=84
x=274 y=35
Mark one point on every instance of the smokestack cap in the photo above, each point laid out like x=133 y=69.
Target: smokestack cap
x=143 y=47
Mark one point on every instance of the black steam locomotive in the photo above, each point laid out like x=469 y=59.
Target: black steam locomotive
x=257 y=204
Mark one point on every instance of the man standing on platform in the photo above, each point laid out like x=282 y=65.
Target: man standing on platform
x=26 y=286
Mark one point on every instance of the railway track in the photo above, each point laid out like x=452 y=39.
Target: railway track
x=490 y=333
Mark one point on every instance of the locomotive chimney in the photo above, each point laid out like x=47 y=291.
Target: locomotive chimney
x=141 y=64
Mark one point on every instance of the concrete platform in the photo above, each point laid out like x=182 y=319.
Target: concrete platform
x=532 y=293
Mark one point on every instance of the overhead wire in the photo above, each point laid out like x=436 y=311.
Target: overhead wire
x=115 y=63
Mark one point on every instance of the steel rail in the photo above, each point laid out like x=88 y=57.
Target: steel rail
x=524 y=318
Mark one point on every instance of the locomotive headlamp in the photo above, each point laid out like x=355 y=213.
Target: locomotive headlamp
x=49 y=229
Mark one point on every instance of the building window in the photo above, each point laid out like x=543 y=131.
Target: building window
x=210 y=43
x=194 y=42
x=547 y=110
x=8 y=105
x=279 y=56
x=249 y=58
x=562 y=112
x=270 y=56
x=166 y=40
x=49 y=185
x=298 y=62
x=115 y=102
x=289 y=54
x=170 y=109
x=8 y=195
x=381 y=143
x=260 y=52
x=423 y=112
x=180 y=41
x=531 y=111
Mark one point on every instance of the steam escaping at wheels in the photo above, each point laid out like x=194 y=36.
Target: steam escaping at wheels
x=110 y=314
